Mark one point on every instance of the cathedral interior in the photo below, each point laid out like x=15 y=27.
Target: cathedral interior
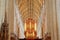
x=29 y=20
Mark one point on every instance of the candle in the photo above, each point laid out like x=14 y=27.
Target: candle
x=30 y=25
x=35 y=26
x=25 y=26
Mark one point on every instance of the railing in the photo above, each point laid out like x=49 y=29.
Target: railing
x=14 y=37
x=47 y=37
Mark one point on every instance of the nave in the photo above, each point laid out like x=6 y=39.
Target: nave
x=29 y=20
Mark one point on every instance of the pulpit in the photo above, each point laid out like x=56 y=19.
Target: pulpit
x=4 y=29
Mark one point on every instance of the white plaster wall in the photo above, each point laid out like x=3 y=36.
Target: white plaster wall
x=19 y=22
x=58 y=15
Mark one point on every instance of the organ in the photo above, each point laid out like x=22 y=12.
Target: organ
x=30 y=29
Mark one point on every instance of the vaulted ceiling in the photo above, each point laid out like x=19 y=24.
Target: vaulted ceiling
x=30 y=8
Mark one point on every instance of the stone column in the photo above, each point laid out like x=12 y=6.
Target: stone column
x=11 y=17
x=51 y=18
x=58 y=16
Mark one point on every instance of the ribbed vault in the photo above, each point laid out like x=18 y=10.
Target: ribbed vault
x=30 y=8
